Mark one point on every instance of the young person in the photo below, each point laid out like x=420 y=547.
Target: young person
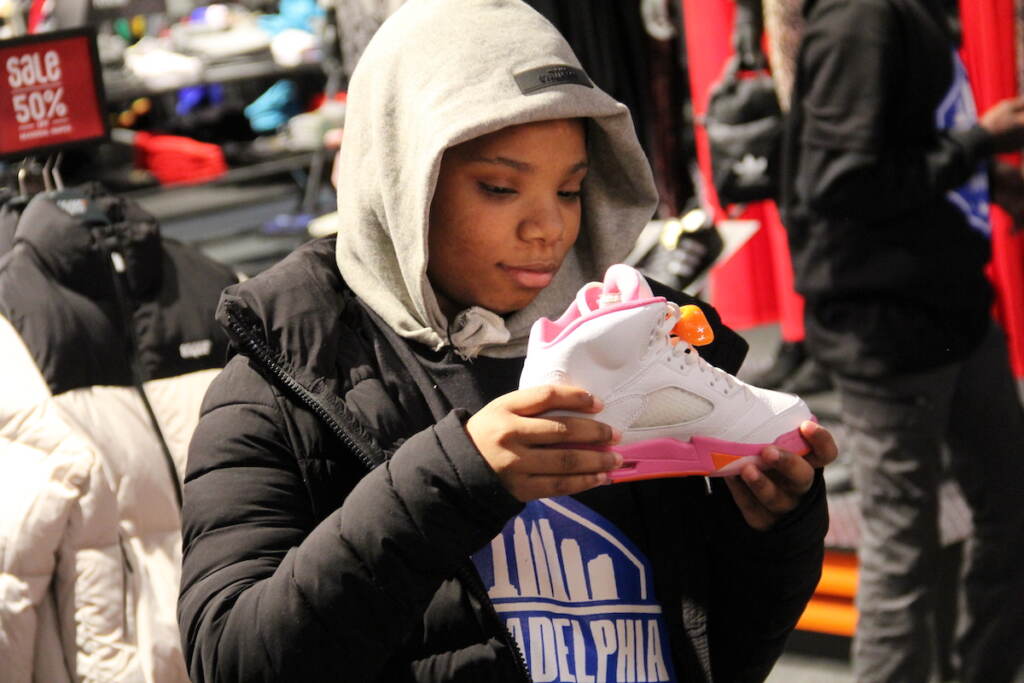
x=370 y=498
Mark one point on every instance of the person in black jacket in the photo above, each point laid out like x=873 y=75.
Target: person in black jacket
x=886 y=208
x=366 y=476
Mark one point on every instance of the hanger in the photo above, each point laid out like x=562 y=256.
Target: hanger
x=30 y=177
x=34 y=177
x=52 y=179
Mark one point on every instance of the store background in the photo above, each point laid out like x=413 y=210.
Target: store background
x=263 y=202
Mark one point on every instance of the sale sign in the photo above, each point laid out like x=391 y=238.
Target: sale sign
x=50 y=92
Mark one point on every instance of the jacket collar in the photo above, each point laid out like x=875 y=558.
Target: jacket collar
x=294 y=322
x=74 y=232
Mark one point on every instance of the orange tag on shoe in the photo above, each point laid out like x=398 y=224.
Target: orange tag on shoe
x=693 y=326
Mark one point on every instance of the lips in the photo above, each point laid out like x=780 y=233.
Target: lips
x=533 y=275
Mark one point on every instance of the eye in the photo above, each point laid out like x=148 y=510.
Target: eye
x=496 y=189
x=571 y=195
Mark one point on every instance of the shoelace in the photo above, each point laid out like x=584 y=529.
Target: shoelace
x=685 y=351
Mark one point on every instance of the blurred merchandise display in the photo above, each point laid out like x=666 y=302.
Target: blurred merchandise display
x=678 y=252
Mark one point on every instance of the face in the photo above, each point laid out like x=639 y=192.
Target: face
x=505 y=213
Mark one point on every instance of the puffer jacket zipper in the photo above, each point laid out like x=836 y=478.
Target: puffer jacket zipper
x=367 y=452
x=104 y=237
x=471 y=580
x=257 y=350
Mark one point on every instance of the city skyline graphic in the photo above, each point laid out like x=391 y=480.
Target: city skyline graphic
x=576 y=596
x=558 y=570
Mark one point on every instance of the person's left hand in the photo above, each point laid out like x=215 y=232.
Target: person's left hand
x=765 y=496
x=1008 y=191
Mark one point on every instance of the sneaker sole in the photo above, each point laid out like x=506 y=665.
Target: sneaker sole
x=700 y=456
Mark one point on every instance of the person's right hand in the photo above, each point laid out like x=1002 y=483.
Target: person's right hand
x=538 y=457
x=1005 y=122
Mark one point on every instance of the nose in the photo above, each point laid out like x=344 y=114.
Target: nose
x=544 y=222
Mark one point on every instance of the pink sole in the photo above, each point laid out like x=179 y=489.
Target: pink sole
x=700 y=456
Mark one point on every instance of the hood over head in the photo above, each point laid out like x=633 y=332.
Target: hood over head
x=439 y=73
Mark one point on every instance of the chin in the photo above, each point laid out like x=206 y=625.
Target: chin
x=511 y=304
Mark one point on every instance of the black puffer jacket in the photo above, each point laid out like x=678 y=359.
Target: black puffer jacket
x=329 y=516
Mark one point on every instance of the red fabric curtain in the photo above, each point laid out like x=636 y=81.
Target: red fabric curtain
x=990 y=53
x=755 y=286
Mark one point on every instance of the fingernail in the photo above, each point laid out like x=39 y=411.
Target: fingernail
x=596 y=403
x=603 y=479
x=617 y=458
x=616 y=435
x=771 y=454
x=809 y=426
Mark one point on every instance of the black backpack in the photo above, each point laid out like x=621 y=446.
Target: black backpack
x=744 y=123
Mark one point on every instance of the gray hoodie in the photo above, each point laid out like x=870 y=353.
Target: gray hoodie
x=438 y=73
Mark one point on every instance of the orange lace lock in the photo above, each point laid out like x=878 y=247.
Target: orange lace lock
x=693 y=326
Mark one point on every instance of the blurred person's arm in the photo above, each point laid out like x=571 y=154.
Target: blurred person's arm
x=850 y=163
x=761 y=581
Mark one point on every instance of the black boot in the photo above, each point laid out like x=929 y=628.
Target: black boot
x=810 y=378
x=788 y=357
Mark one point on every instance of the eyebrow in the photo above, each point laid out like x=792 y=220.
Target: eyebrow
x=522 y=165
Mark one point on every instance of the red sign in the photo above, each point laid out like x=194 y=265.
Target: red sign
x=50 y=92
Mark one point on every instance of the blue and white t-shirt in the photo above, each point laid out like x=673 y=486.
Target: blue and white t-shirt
x=958 y=111
x=577 y=596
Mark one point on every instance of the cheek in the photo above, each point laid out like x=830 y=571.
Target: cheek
x=481 y=235
x=573 y=218
x=459 y=249
x=465 y=244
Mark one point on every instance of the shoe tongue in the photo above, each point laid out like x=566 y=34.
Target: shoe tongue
x=622 y=284
x=588 y=298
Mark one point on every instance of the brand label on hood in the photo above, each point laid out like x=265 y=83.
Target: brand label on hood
x=548 y=76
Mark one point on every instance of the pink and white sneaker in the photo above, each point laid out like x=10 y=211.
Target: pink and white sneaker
x=678 y=414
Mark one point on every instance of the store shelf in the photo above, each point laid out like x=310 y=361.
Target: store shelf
x=284 y=165
x=233 y=223
x=123 y=85
x=186 y=202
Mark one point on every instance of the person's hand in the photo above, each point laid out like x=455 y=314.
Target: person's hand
x=1005 y=122
x=538 y=457
x=765 y=496
x=1008 y=191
